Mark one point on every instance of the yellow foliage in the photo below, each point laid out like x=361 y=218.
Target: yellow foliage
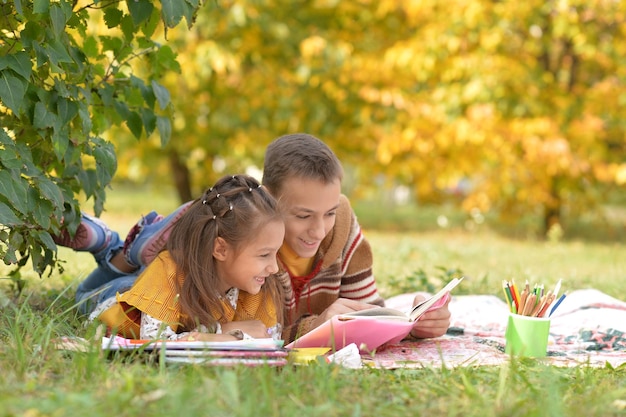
x=506 y=95
x=620 y=174
x=312 y=46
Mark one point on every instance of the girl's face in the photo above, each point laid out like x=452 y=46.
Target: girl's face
x=248 y=268
x=310 y=207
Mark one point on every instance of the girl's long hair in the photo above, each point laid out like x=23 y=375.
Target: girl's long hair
x=235 y=209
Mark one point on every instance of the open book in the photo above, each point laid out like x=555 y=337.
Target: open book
x=372 y=328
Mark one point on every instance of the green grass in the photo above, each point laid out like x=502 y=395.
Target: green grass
x=38 y=380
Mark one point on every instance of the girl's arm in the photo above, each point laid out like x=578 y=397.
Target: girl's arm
x=152 y=328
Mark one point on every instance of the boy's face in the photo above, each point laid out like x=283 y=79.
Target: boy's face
x=310 y=207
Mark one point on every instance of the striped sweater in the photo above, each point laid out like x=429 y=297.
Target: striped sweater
x=342 y=268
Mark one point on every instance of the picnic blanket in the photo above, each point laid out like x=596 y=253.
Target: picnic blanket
x=589 y=328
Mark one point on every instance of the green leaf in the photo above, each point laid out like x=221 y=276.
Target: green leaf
x=106 y=162
x=27 y=167
x=172 y=12
x=151 y=25
x=85 y=117
x=7 y=216
x=106 y=93
x=46 y=239
x=9 y=157
x=134 y=123
x=41 y=54
x=50 y=191
x=162 y=94
x=122 y=109
x=32 y=34
x=112 y=16
x=41 y=209
x=149 y=120
x=128 y=28
x=111 y=44
x=59 y=18
x=190 y=8
x=14 y=189
x=18 y=7
x=12 y=91
x=57 y=51
x=41 y=6
x=43 y=118
x=88 y=182
x=66 y=110
x=18 y=62
x=140 y=10
x=165 y=60
x=165 y=129
x=147 y=95
x=90 y=47
x=60 y=143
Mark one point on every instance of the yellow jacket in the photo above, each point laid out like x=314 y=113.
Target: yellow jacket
x=155 y=292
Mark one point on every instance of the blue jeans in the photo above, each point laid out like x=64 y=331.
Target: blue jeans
x=106 y=280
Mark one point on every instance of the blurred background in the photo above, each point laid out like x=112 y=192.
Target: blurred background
x=459 y=114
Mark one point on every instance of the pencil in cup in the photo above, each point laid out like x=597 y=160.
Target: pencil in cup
x=532 y=302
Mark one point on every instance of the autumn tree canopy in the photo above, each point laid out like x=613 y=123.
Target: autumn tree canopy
x=522 y=102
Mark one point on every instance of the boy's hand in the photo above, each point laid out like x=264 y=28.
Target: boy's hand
x=341 y=306
x=433 y=323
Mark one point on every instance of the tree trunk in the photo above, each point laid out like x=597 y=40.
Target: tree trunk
x=552 y=212
x=182 y=179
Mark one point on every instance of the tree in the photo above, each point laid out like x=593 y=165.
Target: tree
x=62 y=85
x=523 y=99
x=255 y=70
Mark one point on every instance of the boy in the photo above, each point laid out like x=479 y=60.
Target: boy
x=327 y=258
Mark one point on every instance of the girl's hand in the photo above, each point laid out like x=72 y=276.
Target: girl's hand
x=254 y=328
x=209 y=337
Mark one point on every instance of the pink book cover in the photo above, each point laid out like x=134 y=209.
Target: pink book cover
x=368 y=329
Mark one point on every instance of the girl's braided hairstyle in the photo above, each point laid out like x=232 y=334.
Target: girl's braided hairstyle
x=235 y=209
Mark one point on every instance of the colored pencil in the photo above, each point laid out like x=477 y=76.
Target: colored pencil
x=558 y=303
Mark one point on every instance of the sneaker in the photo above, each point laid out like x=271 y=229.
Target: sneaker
x=148 y=237
x=91 y=235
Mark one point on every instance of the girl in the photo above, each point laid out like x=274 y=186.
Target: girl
x=214 y=280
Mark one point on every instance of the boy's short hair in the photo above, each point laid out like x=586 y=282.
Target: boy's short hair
x=299 y=155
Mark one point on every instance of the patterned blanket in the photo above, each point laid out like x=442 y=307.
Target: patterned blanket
x=588 y=328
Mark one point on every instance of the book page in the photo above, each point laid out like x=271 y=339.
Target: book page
x=423 y=307
x=378 y=312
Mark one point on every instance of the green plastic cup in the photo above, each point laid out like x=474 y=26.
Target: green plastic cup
x=527 y=336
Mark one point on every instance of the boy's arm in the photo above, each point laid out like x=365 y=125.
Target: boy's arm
x=358 y=282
